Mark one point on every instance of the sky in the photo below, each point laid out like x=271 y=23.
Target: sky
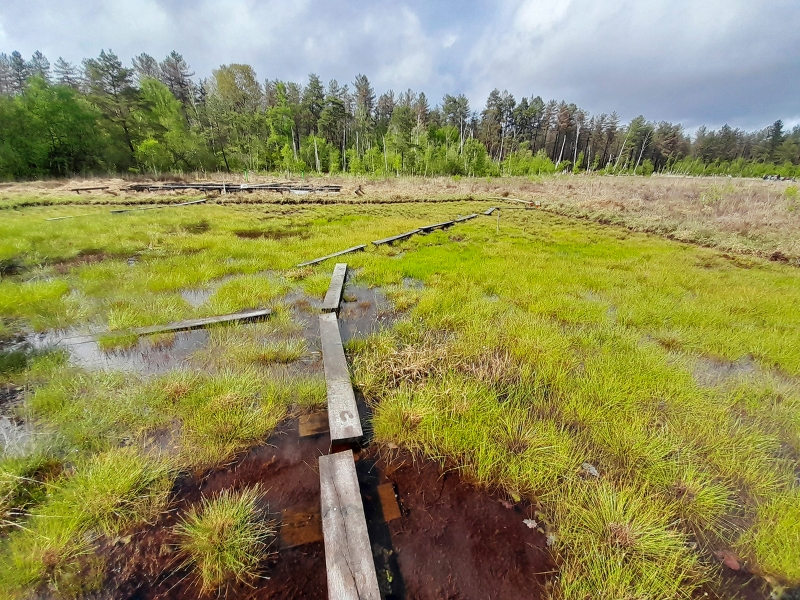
x=691 y=61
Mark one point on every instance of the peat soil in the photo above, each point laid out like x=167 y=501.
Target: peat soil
x=450 y=541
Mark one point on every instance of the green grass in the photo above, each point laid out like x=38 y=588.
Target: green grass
x=226 y=537
x=103 y=495
x=524 y=355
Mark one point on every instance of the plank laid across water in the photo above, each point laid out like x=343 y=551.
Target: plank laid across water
x=491 y=210
x=428 y=228
x=334 y=295
x=345 y=424
x=247 y=315
x=348 y=553
x=466 y=218
x=244 y=316
x=394 y=238
x=334 y=255
x=126 y=210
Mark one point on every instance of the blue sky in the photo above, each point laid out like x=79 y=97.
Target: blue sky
x=693 y=61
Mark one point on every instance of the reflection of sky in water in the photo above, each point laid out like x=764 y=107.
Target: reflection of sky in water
x=197 y=297
x=14 y=436
x=144 y=357
x=368 y=313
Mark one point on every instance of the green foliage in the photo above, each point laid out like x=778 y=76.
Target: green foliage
x=226 y=537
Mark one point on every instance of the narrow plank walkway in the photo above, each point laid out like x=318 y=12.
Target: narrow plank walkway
x=466 y=218
x=244 y=316
x=127 y=210
x=334 y=295
x=491 y=210
x=334 y=255
x=345 y=424
x=395 y=238
x=428 y=228
x=348 y=554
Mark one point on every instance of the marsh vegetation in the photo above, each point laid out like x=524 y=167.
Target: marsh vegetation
x=644 y=393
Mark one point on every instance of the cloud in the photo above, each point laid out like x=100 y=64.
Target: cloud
x=669 y=59
x=714 y=62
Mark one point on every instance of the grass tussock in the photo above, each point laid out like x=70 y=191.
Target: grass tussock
x=102 y=495
x=226 y=537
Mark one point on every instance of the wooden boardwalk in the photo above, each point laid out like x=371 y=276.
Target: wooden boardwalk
x=396 y=238
x=491 y=210
x=244 y=316
x=429 y=228
x=334 y=295
x=345 y=424
x=466 y=218
x=348 y=553
x=334 y=255
x=127 y=210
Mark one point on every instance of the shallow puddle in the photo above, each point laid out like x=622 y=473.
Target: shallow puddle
x=197 y=297
x=364 y=311
x=145 y=357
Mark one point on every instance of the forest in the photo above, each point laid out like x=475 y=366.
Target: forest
x=154 y=117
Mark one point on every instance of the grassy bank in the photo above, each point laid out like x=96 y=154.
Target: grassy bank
x=644 y=392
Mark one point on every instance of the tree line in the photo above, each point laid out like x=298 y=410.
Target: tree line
x=153 y=117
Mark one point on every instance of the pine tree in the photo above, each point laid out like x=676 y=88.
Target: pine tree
x=146 y=66
x=67 y=74
x=19 y=72
x=39 y=66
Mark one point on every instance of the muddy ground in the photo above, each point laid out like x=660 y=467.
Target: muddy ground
x=452 y=540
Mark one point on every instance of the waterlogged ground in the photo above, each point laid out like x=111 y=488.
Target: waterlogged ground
x=630 y=406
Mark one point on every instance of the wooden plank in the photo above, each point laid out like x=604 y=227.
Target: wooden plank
x=467 y=218
x=348 y=554
x=428 y=228
x=389 y=504
x=244 y=316
x=395 y=238
x=343 y=419
x=334 y=295
x=300 y=527
x=491 y=210
x=88 y=189
x=127 y=210
x=335 y=254
x=314 y=424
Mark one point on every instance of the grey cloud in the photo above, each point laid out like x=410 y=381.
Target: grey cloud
x=696 y=62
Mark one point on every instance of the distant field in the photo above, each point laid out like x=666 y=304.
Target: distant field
x=642 y=392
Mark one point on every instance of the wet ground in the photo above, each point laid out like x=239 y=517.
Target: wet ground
x=451 y=539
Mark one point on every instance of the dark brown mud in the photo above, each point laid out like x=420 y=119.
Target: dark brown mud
x=451 y=541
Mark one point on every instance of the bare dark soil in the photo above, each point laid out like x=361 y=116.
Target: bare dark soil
x=452 y=541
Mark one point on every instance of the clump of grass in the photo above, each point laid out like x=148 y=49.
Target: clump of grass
x=23 y=481
x=226 y=537
x=106 y=494
x=620 y=543
x=110 y=342
x=774 y=539
x=281 y=352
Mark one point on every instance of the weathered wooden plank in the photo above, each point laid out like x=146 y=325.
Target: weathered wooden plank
x=244 y=316
x=313 y=424
x=395 y=238
x=247 y=315
x=389 y=505
x=300 y=527
x=466 y=218
x=428 y=228
x=116 y=212
x=343 y=419
x=334 y=255
x=491 y=210
x=334 y=295
x=348 y=554
x=89 y=189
